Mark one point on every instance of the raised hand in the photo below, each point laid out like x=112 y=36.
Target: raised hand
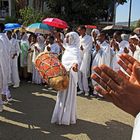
x=122 y=90
x=75 y=67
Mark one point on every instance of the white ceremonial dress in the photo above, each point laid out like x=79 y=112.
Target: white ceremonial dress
x=65 y=108
x=36 y=78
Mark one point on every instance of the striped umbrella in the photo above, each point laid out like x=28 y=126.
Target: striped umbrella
x=39 y=28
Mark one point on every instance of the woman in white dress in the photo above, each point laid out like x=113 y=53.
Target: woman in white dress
x=24 y=46
x=65 y=108
x=37 y=49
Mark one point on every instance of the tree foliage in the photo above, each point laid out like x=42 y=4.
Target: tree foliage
x=30 y=15
x=138 y=23
x=83 y=11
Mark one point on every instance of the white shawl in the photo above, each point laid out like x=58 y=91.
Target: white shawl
x=72 y=52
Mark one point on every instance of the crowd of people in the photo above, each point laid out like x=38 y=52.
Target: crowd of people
x=79 y=52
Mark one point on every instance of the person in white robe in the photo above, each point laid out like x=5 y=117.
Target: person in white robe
x=94 y=34
x=85 y=54
x=24 y=46
x=52 y=46
x=119 y=45
x=65 y=109
x=37 y=49
x=29 y=58
x=102 y=55
x=122 y=44
x=7 y=46
x=14 y=53
x=4 y=67
x=135 y=42
x=115 y=55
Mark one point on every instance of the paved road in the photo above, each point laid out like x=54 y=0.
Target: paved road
x=28 y=118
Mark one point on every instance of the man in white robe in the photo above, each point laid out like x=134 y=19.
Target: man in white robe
x=7 y=48
x=135 y=42
x=65 y=108
x=85 y=51
x=122 y=44
x=102 y=55
x=52 y=46
x=4 y=65
x=119 y=45
x=14 y=53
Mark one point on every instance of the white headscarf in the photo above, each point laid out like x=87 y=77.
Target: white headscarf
x=72 y=52
x=41 y=40
x=124 y=37
x=96 y=31
x=25 y=37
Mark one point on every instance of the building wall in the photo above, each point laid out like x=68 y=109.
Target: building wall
x=13 y=8
x=7 y=8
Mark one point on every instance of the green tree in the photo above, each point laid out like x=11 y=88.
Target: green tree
x=83 y=11
x=30 y=15
x=138 y=23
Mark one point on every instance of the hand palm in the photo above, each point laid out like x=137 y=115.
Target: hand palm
x=120 y=89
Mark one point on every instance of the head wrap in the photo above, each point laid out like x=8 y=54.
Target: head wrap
x=72 y=51
x=96 y=31
x=40 y=39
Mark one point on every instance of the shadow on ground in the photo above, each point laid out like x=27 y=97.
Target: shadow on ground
x=30 y=116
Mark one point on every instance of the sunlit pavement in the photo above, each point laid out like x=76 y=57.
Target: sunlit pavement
x=28 y=118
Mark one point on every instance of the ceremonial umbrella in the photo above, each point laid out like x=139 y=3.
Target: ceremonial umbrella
x=55 y=22
x=91 y=26
x=39 y=28
x=113 y=28
x=137 y=30
x=12 y=26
